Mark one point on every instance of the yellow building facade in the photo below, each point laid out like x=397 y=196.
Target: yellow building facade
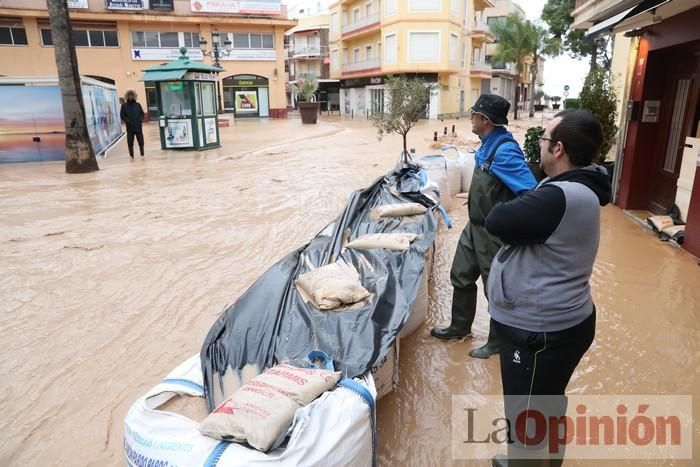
x=116 y=40
x=440 y=41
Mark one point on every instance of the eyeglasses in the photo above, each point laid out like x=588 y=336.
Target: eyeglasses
x=542 y=138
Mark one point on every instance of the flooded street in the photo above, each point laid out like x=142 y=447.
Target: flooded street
x=112 y=279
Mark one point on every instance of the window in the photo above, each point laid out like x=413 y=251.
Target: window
x=334 y=22
x=334 y=59
x=455 y=7
x=464 y=54
x=368 y=52
x=368 y=9
x=356 y=56
x=390 y=7
x=424 y=5
x=12 y=32
x=84 y=37
x=390 y=49
x=155 y=39
x=251 y=40
x=191 y=40
x=80 y=38
x=424 y=46
x=492 y=19
x=355 y=15
x=46 y=38
x=169 y=39
x=454 y=44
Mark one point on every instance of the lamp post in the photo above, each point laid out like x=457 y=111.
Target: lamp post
x=216 y=53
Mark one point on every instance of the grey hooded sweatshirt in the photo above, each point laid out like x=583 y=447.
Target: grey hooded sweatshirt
x=539 y=279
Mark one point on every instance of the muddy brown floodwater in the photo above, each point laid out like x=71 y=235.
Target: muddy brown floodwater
x=111 y=279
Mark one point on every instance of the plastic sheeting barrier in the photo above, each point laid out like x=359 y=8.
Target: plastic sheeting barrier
x=272 y=323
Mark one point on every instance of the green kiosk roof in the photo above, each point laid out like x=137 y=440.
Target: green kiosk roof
x=176 y=69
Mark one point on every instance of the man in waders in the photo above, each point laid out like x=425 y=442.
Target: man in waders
x=500 y=174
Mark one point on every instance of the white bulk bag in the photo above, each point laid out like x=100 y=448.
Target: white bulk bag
x=419 y=310
x=338 y=428
x=436 y=168
x=467 y=162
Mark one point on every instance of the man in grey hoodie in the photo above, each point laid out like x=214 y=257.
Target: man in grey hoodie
x=539 y=291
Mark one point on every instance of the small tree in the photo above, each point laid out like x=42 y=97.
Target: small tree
x=598 y=96
x=407 y=100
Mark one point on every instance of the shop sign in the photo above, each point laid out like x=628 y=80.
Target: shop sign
x=124 y=4
x=241 y=7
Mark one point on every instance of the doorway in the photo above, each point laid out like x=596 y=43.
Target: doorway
x=679 y=101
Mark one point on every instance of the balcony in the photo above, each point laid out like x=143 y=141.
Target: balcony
x=503 y=69
x=301 y=53
x=480 y=70
x=481 y=34
x=367 y=65
x=483 y=4
x=360 y=27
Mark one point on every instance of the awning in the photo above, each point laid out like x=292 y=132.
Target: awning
x=168 y=75
x=608 y=24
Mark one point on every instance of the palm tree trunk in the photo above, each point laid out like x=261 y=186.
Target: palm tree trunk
x=80 y=157
x=517 y=96
x=533 y=76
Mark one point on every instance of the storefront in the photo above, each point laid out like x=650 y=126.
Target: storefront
x=247 y=96
x=363 y=97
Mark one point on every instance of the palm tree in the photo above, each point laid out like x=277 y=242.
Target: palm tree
x=515 y=40
x=540 y=46
x=80 y=157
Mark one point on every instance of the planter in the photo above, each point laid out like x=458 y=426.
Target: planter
x=539 y=107
x=308 y=111
x=555 y=106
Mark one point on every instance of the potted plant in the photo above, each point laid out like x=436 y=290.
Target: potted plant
x=556 y=100
x=308 y=107
x=532 y=151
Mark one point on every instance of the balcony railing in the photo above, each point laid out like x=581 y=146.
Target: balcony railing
x=480 y=68
x=360 y=66
x=313 y=51
x=360 y=23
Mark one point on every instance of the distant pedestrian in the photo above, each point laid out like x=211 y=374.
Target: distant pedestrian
x=132 y=115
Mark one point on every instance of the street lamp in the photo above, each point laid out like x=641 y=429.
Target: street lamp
x=216 y=53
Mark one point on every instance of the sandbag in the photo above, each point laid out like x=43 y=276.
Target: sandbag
x=335 y=429
x=261 y=411
x=400 y=209
x=390 y=241
x=333 y=285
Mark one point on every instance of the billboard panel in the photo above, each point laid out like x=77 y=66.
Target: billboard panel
x=243 y=7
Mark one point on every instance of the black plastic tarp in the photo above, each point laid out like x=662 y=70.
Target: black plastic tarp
x=271 y=323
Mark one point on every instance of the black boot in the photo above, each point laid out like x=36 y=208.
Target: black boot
x=492 y=346
x=463 y=311
x=141 y=150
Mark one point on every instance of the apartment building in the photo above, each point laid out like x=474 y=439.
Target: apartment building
x=504 y=74
x=307 y=47
x=440 y=41
x=116 y=39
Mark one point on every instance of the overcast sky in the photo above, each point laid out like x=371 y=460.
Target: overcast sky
x=558 y=72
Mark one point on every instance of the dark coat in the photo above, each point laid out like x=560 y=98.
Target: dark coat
x=132 y=115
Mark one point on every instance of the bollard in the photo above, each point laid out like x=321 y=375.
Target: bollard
x=352 y=114
x=435 y=136
x=445 y=131
x=453 y=131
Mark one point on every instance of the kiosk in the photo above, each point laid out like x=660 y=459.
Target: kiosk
x=186 y=97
